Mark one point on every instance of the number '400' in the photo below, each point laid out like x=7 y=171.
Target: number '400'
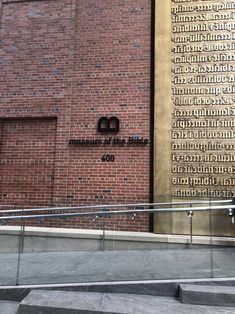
x=108 y=158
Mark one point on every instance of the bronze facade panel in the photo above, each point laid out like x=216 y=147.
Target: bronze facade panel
x=195 y=107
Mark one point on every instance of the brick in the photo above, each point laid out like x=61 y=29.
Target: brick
x=63 y=65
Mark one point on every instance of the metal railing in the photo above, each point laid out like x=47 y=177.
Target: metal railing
x=102 y=211
x=150 y=207
x=105 y=211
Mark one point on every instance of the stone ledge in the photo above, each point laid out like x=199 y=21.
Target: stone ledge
x=166 y=288
x=207 y=294
x=116 y=235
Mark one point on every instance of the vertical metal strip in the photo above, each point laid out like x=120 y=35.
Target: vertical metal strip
x=20 y=248
x=152 y=86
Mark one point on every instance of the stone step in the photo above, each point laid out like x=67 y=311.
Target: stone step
x=65 y=302
x=216 y=295
x=8 y=307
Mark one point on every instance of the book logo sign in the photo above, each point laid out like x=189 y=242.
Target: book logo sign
x=108 y=125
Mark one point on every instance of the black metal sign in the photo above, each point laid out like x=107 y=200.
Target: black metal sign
x=108 y=125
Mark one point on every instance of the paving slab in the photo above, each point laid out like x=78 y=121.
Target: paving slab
x=60 y=302
x=207 y=294
x=7 y=307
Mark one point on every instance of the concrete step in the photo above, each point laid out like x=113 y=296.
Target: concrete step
x=64 y=302
x=207 y=294
x=164 y=288
x=9 y=307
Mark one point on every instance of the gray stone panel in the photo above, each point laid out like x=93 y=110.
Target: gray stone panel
x=7 y=307
x=59 y=302
x=102 y=266
x=154 y=288
x=207 y=294
x=56 y=302
x=66 y=267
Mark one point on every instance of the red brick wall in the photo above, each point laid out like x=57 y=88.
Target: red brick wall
x=77 y=61
x=27 y=161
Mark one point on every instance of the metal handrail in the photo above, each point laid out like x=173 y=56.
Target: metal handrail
x=197 y=202
x=118 y=212
x=105 y=211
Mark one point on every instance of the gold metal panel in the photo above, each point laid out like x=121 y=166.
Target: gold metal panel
x=194 y=110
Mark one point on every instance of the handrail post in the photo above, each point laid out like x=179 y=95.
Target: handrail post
x=231 y=211
x=103 y=227
x=103 y=236
x=21 y=248
x=190 y=215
